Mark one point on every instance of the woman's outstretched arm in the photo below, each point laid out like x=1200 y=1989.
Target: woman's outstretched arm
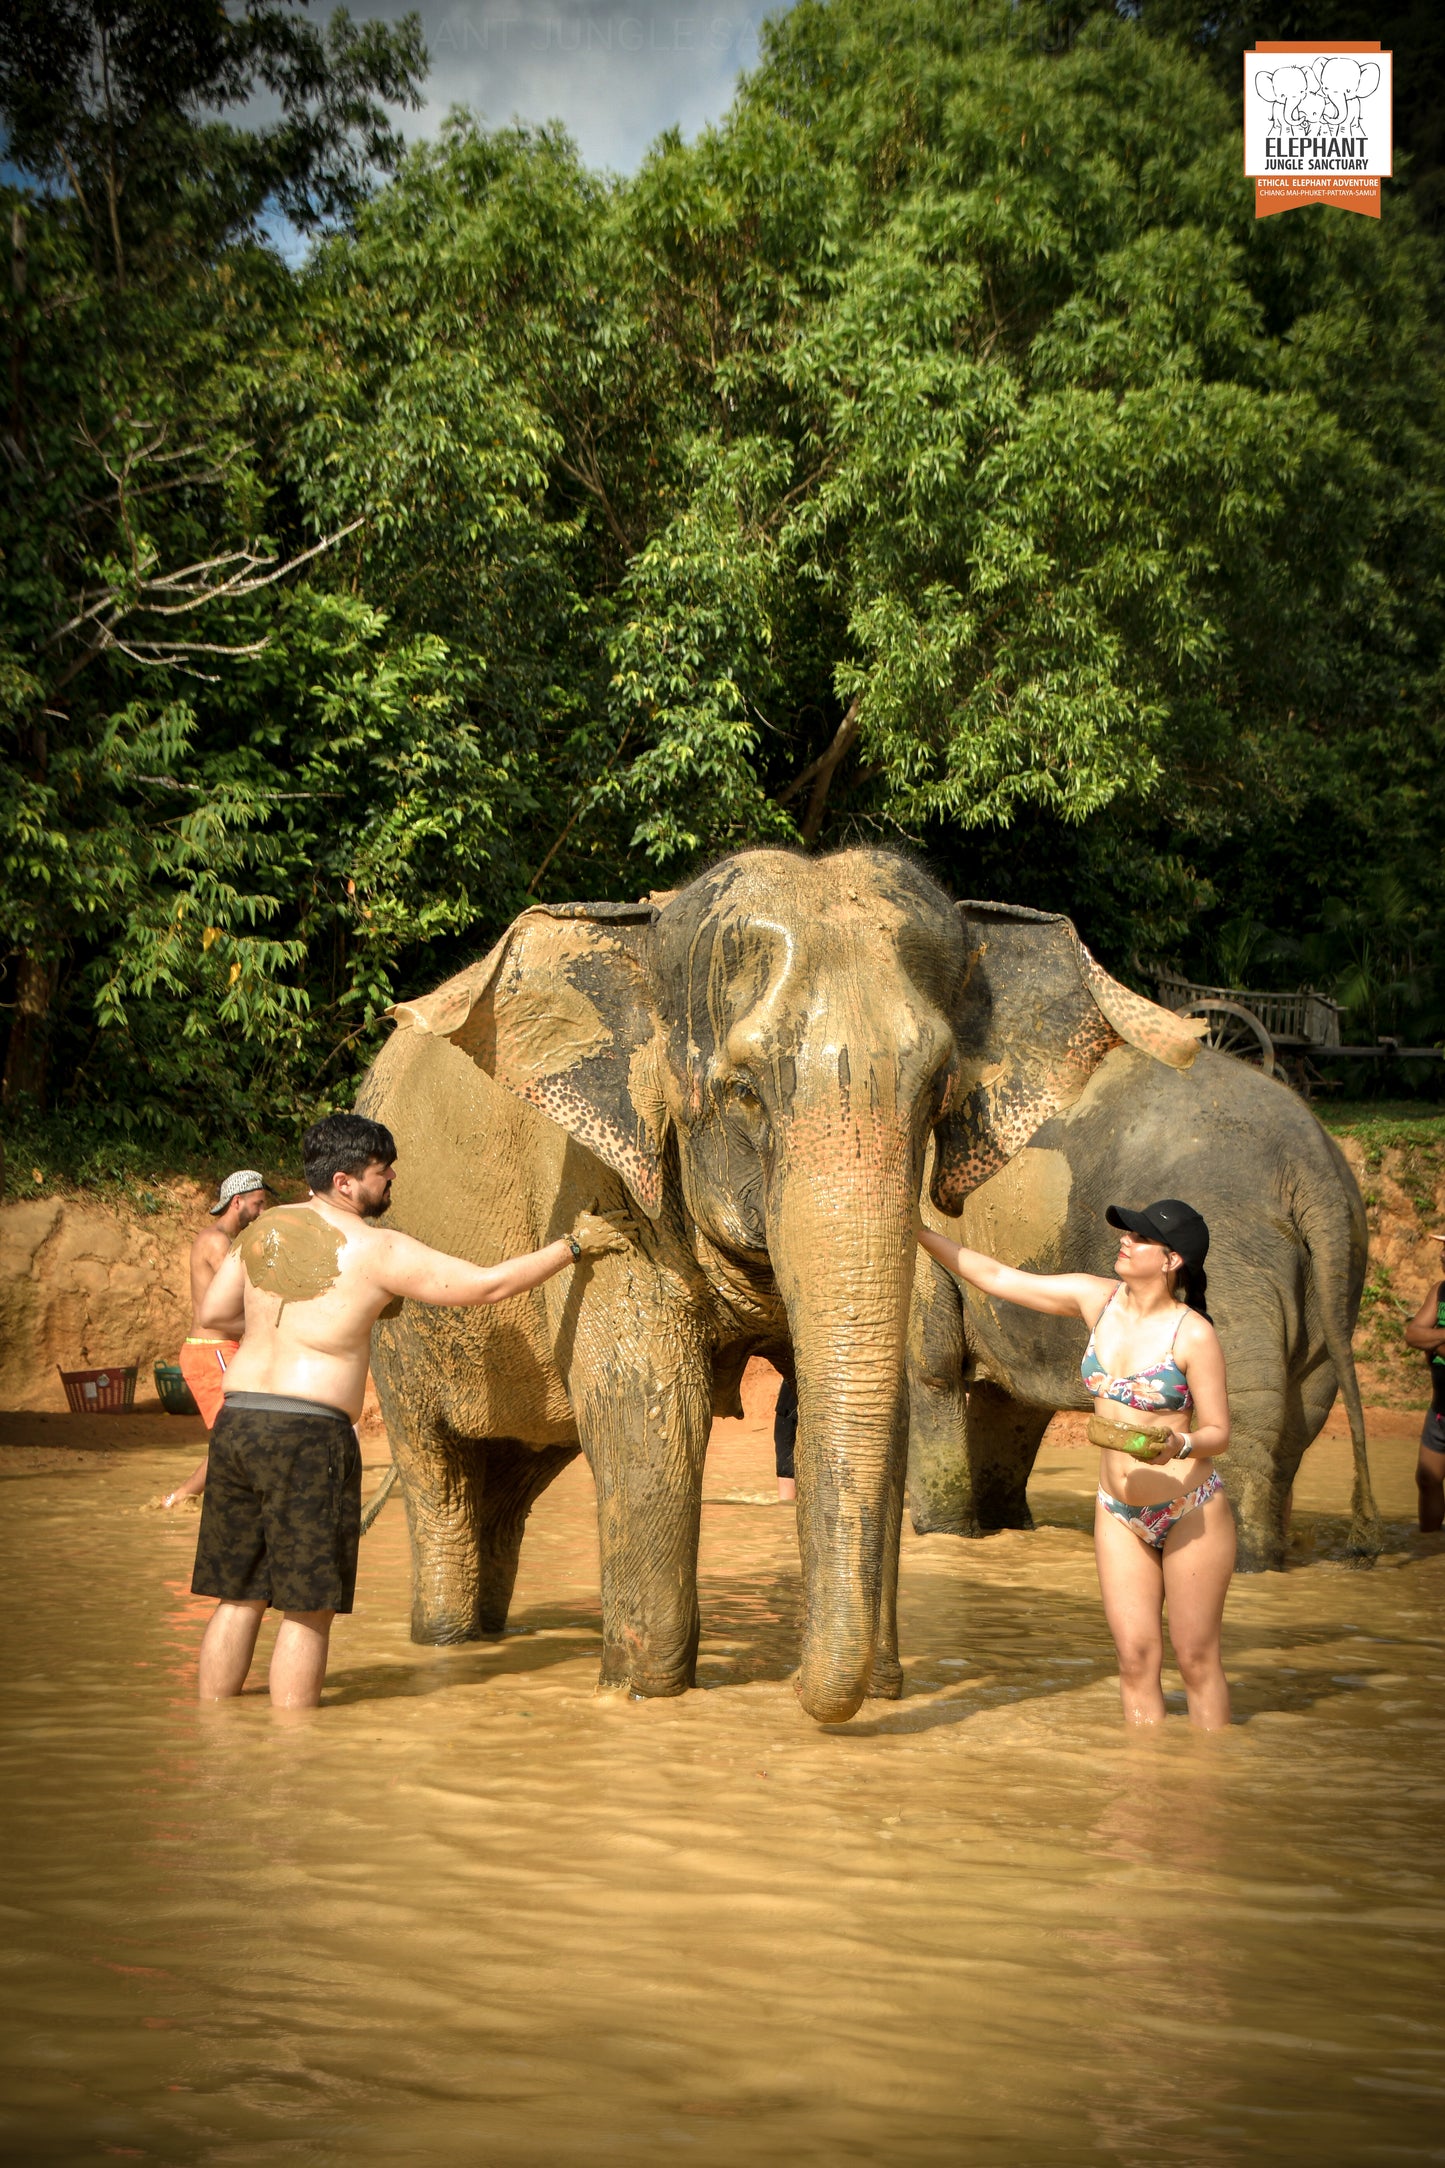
x=1057 y=1294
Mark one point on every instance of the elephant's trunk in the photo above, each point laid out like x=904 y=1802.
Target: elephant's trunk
x=844 y=1254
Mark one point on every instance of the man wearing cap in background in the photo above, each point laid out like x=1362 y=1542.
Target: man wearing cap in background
x=207 y=1353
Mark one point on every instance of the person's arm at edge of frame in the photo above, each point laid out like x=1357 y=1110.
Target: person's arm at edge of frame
x=1422 y=1331
x=1057 y=1294
x=426 y=1275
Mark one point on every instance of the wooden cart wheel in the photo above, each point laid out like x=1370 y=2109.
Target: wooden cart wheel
x=1233 y=1029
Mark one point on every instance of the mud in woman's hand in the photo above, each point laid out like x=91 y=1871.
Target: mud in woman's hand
x=1145 y=1440
x=600 y=1234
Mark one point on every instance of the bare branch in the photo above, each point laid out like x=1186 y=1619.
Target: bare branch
x=239 y=583
x=201 y=647
x=821 y=771
x=111 y=607
x=842 y=738
x=261 y=790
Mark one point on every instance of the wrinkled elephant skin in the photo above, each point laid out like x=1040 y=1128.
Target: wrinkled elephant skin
x=753 y=1066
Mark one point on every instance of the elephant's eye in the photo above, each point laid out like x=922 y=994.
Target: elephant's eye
x=744 y=1090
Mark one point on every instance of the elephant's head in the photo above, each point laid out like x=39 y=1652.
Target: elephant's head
x=1036 y=1017
x=797 y=1027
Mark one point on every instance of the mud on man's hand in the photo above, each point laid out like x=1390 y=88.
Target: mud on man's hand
x=599 y=1234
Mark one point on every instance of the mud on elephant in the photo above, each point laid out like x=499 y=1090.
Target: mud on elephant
x=757 y=1062
x=1286 y=1264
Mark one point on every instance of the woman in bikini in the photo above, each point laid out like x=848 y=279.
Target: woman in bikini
x=1163 y=1529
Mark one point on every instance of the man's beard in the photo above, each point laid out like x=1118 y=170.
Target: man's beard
x=373 y=1207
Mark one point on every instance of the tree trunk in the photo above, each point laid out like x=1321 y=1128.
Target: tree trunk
x=27 y=1057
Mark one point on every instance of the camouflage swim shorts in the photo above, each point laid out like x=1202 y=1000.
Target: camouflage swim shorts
x=281 y=1516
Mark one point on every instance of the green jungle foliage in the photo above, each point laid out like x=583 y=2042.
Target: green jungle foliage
x=937 y=453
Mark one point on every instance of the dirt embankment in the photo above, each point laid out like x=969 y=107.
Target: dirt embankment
x=1403 y=1186
x=88 y=1282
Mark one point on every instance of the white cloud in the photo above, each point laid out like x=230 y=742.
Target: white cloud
x=614 y=72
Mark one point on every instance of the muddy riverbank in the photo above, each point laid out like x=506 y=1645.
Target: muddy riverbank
x=473 y=1912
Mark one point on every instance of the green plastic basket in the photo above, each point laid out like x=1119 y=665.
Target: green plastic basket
x=175 y=1393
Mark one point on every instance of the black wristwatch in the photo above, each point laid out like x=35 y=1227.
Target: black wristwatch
x=574 y=1246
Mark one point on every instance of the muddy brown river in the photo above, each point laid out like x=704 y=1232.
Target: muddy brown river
x=471 y=1913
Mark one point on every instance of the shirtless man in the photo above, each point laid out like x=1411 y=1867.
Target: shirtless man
x=1426 y=1331
x=281 y=1518
x=206 y=1356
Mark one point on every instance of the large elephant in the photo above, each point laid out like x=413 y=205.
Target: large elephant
x=1286 y=1268
x=757 y=1061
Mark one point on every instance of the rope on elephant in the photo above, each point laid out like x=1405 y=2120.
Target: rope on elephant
x=379 y=1496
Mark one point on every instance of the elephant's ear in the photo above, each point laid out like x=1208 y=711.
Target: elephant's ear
x=1160 y=1032
x=1369 y=81
x=559 y=1013
x=1034 y=1018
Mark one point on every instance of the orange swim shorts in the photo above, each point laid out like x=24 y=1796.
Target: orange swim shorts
x=204 y=1364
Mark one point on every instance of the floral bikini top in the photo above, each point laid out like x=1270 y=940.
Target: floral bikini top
x=1162 y=1387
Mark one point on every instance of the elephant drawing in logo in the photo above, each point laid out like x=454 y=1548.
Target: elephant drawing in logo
x=1344 y=81
x=1285 y=91
x=1326 y=94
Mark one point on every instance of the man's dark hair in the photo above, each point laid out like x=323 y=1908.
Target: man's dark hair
x=343 y=1144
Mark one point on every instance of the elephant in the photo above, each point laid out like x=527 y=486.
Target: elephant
x=752 y=1067
x=1284 y=89
x=1286 y=1269
x=1343 y=82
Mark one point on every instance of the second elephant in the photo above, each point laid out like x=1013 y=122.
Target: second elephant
x=1286 y=1269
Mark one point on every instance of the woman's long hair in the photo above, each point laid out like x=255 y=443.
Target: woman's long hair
x=1188 y=1285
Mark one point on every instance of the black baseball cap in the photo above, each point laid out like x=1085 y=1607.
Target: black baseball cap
x=1176 y=1224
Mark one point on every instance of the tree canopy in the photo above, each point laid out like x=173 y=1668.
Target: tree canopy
x=937 y=452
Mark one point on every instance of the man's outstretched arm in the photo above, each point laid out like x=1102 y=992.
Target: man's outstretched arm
x=424 y=1275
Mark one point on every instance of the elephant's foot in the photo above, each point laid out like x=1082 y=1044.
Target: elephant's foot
x=644 y=1675
x=997 y=1514
x=1261 y=1532
x=885 y=1680
x=439 y=1630
x=933 y=1520
x=643 y=1685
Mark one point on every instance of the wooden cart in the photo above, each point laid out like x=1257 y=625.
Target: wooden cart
x=1278 y=1033
x=1285 y=1035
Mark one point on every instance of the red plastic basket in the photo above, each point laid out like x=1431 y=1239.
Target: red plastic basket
x=99 y=1392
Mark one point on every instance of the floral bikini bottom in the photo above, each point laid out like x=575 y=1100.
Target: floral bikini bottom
x=1151 y=1524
